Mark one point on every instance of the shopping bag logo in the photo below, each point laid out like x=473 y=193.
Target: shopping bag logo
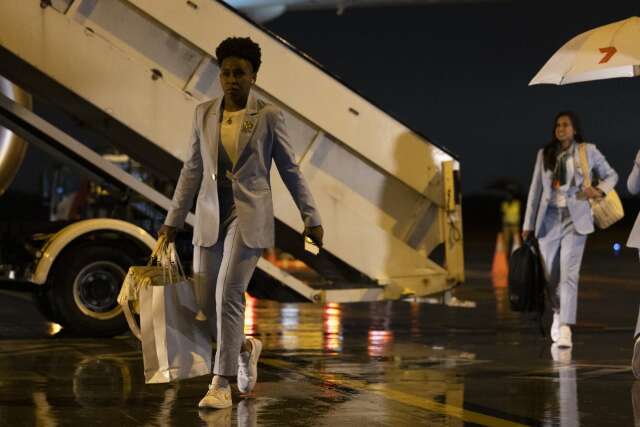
x=608 y=53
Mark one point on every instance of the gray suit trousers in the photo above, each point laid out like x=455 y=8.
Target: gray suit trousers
x=222 y=273
x=561 y=249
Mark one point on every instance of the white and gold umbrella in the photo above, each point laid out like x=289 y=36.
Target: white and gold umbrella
x=605 y=52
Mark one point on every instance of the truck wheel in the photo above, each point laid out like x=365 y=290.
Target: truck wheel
x=84 y=292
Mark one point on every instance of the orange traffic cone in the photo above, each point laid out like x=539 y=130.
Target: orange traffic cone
x=500 y=267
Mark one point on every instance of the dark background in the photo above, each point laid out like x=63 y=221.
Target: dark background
x=459 y=74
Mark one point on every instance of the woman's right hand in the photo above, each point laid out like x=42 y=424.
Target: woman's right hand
x=525 y=235
x=169 y=232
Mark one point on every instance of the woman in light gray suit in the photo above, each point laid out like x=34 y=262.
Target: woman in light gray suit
x=232 y=146
x=559 y=214
x=633 y=185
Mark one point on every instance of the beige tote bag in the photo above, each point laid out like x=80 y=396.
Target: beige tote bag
x=606 y=210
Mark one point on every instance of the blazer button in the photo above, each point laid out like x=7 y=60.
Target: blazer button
x=213 y=176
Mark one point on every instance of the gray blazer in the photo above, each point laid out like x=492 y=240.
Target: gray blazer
x=579 y=209
x=263 y=137
x=633 y=185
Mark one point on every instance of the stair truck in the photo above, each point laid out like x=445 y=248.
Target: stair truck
x=129 y=73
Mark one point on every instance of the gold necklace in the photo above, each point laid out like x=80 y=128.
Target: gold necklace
x=230 y=116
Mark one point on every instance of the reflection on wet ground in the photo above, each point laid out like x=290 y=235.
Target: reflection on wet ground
x=376 y=364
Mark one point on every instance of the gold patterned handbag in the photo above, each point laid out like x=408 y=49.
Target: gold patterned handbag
x=606 y=210
x=159 y=271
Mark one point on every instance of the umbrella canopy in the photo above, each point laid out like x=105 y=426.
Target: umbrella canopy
x=603 y=53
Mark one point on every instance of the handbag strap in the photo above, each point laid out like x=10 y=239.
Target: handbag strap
x=169 y=260
x=160 y=247
x=169 y=265
x=131 y=321
x=165 y=255
x=584 y=165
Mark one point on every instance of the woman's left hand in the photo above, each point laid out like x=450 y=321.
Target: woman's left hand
x=593 y=193
x=315 y=233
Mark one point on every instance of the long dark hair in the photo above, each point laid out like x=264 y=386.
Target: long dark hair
x=551 y=150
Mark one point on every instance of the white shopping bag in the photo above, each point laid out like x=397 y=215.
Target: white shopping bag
x=175 y=344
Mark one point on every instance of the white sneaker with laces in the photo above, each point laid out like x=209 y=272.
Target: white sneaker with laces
x=248 y=366
x=564 y=341
x=216 y=398
x=560 y=355
x=555 y=327
x=635 y=361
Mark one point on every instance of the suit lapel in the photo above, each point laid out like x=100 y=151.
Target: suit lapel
x=211 y=131
x=248 y=126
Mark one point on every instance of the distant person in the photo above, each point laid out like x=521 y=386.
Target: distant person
x=511 y=217
x=559 y=215
x=633 y=185
x=233 y=143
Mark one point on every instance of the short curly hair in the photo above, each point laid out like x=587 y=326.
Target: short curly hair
x=240 y=47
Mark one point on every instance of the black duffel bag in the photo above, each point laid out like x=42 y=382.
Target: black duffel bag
x=526 y=279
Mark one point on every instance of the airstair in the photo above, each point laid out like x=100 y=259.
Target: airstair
x=134 y=70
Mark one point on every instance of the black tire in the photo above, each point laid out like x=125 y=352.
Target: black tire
x=45 y=303
x=85 y=283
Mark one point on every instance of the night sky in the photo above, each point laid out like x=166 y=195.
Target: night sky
x=459 y=75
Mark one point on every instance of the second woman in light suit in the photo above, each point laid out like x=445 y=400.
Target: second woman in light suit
x=559 y=214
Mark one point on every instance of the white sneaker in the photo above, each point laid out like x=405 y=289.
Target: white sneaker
x=555 y=327
x=216 y=398
x=560 y=355
x=248 y=366
x=564 y=341
x=635 y=361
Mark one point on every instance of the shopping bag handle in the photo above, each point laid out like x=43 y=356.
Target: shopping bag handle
x=170 y=258
x=161 y=244
x=175 y=258
x=131 y=321
x=164 y=255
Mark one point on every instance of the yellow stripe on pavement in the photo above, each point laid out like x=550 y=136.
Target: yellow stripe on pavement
x=398 y=396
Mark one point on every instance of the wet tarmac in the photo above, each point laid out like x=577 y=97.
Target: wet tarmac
x=402 y=363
